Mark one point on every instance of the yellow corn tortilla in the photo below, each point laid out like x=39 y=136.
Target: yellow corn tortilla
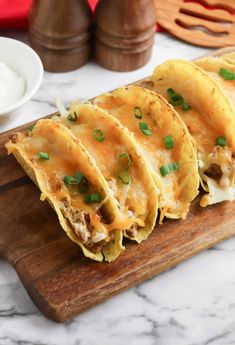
x=179 y=188
x=137 y=201
x=229 y=57
x=85 y=224
x=212 y=66
x=211 y=116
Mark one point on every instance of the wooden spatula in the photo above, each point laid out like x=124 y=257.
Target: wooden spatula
x=209 y=23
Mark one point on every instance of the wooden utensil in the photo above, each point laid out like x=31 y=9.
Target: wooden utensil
x=56 y=275
x=59 y=31
x=124 y=33
x=209 y=23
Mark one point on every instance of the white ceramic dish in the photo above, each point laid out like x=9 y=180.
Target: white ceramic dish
x=24 y=61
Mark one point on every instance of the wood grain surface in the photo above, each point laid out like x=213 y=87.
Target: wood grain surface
x=59 y=279
x=124 y=33
x=60 y=32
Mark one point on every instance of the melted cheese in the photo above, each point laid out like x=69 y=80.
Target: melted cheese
x=202 y=131
x=63 y=160
x=133 y=197
x=204 y=134
x=220 y=188
x=152 y=147
x=228 y=86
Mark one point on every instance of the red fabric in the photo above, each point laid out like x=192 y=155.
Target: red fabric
x=93 y=4
x=14 y=13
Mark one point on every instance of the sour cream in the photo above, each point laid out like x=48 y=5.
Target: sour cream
x=12 y=86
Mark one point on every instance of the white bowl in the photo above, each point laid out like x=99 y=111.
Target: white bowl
x=24 y=61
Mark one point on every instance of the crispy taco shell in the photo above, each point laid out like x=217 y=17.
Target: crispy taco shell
x=85 y=224
x=137 y=198
x=178 y=189
x=213 y=66
x=209 y=118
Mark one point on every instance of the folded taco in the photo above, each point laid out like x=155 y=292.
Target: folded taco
x=223 y=72
x=125 y=171
x=229 y=57
x=164 y=142
x=71 y=181
x=209 y=117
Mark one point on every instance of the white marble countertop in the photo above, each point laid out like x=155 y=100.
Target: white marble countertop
x=192 y=304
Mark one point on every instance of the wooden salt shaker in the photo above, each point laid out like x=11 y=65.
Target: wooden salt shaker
x=59 y=31
x=124 y=33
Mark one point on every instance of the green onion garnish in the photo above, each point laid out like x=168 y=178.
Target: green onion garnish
x=79 y=176
x=169 y=142
x=124 y=165
x=78 y=179
x=138 y=113
x=185 y=106
x=72 y=116
x=124 y=177
x=98 y=135
x=31 y=127
x=176 y=99
x=91 y=198
x=169 y=168
x=70 y=180
x=83 y=185
x=43 y=155
x=226 y=74
x=221 y=141
x=144 y=128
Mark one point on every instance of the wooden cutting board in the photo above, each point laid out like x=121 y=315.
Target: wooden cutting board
x=58 y=278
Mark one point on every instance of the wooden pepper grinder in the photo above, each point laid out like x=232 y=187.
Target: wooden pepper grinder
x=59 y=31
x=124 y=33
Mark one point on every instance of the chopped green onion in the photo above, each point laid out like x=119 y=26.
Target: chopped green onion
x=169 y=168
x=98 y=135
x=43 y=155
x=144 y=128
x=226 y=74
x=124 y=176
x=122 y=157
x=176 y=99
x=72 y=116
x=221 y=141
x=79 y=176
x=185 y=106
x=31 y=127
x=78 y=179
x=70 y=180
x=83 y=185
x=123 y=169
x=169 y=142
x=91 y=198
x=138 y=113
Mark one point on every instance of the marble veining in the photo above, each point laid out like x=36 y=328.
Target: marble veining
x=191 y=304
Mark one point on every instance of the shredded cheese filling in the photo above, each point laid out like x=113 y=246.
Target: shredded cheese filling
x=220 y=187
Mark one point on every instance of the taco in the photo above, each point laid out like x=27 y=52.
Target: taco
x=229 y=57
x=209 y=117
x=125 y=171
x=164 y=142
x=71 y=181
x=222 y=72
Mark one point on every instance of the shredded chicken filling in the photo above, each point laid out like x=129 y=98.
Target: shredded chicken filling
x=81 y=222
